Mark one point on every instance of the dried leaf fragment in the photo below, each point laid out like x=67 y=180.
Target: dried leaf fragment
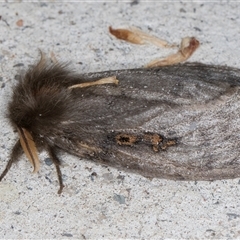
x=29 y=148
x=136 y=36
x=187 y=48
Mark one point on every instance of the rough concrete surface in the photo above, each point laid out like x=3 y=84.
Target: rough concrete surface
x=110 y=204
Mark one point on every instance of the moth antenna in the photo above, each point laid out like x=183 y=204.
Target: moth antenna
x=107 y=80
x=52 y=154
x=16 y=153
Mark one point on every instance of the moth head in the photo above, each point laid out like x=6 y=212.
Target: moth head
x=38 y=102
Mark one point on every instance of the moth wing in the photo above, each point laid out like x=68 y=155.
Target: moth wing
x=195 y=104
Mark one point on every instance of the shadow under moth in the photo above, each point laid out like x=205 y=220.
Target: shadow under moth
x=179 y=122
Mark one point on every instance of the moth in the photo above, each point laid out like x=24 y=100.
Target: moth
x=179 y=122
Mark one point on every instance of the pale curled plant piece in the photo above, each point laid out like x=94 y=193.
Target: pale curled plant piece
x=136 y=36
x=187 y=47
